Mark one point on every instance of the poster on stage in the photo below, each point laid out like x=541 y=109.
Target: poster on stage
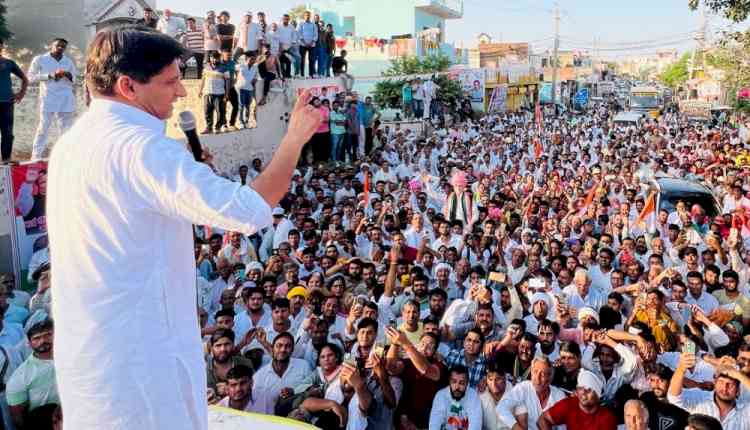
x=472 y=83
x=29 y=183
x=29 y=191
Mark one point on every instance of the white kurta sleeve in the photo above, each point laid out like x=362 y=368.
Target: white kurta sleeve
x=36 y=74
x=167 y=176
x=438 y=413
x=507 y=405
x=474 y=410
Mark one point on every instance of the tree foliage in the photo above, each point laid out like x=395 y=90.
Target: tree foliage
x=414 y=65
x=387 y=93
x=732 y=57
x=5 y=33
x=733 y=10
x=297 y=12
x=677 y=73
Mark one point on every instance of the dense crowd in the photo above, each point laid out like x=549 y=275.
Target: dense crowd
x=501 y=273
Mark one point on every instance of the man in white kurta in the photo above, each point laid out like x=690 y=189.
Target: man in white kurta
x=121 y=203
x=56 y=73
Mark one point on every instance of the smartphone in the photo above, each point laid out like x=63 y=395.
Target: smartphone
x=378 y=349
x=688 y=346
x=205 y=249
x=498 y=277
x=350 y=359
x=241 y=274
x=562 y=299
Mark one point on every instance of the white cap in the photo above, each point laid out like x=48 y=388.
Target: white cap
x=277 y=211
x=588 y=312
x=587 y=379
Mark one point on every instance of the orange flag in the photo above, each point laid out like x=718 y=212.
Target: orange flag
x=648 y=209
x=537 y=149
x=367 y=188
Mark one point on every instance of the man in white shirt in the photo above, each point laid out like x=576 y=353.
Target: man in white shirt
x=457 y=403
x=247 y=37
x=169 y=25
x=533 y=397
x=33 y=382
x=56 y=74
x=240 y=392
x=721 y=403
x=276 y=380
x=121 y=202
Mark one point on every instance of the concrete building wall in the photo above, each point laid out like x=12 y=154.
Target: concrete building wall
x=424 y=20
x=382 y=19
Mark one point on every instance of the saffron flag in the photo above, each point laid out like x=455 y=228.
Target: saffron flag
x=649 y=209
x=538 y=115
x=367 y=188
x=589 y=198
x=537 y=149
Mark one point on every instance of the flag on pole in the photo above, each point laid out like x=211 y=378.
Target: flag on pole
x=367 y=188
x=537 y=148
x=649 y=210
x=538 y=115
x=589 y=199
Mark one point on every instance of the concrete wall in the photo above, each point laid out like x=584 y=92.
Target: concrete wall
x=382 y=19
x=231 y=150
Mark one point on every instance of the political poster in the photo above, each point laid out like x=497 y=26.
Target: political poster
x=29 y=191
x=545 y=93
x=499 y=99
x=472 y=83
x=29 y=183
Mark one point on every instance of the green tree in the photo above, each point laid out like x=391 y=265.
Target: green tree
x=5 y=33
x=387 y=93
x=296 y=12
x=677 y=73
x=734 y=10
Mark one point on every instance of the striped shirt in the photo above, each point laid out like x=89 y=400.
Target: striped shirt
x=193 y=40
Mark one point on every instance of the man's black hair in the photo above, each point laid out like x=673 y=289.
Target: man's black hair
x=134 y=51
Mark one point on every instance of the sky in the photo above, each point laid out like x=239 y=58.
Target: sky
x=614 y=24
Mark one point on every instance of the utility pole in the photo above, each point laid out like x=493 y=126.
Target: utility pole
x=555 y=58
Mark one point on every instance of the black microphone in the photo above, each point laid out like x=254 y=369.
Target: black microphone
x=187 y=125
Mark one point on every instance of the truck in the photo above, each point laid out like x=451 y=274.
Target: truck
x=697 y=111
x=646 y=99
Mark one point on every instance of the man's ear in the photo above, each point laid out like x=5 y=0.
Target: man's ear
x=125 y=87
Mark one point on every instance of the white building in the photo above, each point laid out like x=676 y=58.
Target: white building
x=35 y=22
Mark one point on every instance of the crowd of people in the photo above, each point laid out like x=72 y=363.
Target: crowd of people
x=239 y=56
x=498 y=273
x=229 y=60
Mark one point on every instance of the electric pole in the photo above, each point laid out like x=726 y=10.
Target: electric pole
x=555 y=59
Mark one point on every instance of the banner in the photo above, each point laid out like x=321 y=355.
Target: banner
x=331 y=89
x=472 y=83
x=499 y=99
x=29 y=192
x=545 y=92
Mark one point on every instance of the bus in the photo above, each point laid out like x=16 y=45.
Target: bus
x=646 y=100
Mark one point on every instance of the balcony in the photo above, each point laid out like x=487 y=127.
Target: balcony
x=446 y=9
